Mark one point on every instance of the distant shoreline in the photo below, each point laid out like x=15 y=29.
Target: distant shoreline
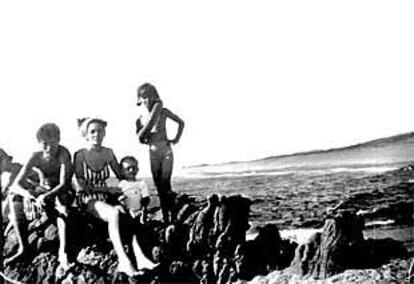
x=368 y=168
x=378 y=145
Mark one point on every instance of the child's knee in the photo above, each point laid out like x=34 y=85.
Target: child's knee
x=113 y=214
x=63 y=211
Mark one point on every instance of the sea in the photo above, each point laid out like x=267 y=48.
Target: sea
x=292 y=198
x=297 y=201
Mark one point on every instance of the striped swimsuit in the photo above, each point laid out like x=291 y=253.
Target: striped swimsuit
x=96 y=180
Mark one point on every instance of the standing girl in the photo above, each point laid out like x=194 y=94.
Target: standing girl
x=152 y=131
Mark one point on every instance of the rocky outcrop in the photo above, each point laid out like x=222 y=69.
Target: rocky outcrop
x=341 y=246
x=391 y=203
x=206 y=237
x=206 y=243
x=261 y=255
x=327 y=253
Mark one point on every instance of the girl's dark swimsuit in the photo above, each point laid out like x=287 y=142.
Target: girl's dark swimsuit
x=95 y=180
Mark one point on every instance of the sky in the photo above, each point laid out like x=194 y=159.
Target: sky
x=250 y=79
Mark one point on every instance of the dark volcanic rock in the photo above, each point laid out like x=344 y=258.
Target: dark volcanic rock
x=201 y=232
x=212 y=234
x=333 y=250
x=395 y=202
x=40 y=270
x=341 y=246
x=199 y=246
x=207 y=244
x=261 y=255
x=378 y=252
x=287 y=253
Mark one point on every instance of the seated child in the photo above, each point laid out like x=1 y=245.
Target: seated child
x=135 y=196
x=135 y=199
x=93 y=166
x=51 y=189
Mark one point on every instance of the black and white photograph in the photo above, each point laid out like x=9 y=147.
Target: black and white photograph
x=207 y=142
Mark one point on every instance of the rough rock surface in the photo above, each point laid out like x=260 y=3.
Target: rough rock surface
x=206 y=243
x=264 y=254
x=393 y=272
x=341 y=246
x=332 y=251
x=395 y=202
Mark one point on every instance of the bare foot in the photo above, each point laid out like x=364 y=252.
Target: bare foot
x=148 y=266
x=63 y=261
x=129 y=270
x=143 y=263
x=62 y=270
x=21 y=252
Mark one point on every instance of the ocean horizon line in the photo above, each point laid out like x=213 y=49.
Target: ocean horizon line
x=287 y=171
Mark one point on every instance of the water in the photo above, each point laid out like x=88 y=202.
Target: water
x=284 y=171
x=290 y=199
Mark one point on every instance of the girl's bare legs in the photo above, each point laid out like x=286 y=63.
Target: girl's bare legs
x=61 y=224
x=142 y=261
x=110 y=214
x=161 y=168
x=166 y=172
x=63 y=257
x=19 y=221
x=155 y=169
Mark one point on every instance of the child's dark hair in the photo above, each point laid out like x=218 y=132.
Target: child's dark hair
x=128 y=158
x=48 y=131
x=148 y=90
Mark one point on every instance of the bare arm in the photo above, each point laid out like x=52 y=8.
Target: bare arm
x=154 y=114
x=79 y=174
x=3 y=160
x=115 y=167
x=22 y=187
x=180 y=122
x=65 y=173
x=113 y=163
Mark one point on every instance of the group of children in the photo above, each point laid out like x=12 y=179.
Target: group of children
x=46 y=181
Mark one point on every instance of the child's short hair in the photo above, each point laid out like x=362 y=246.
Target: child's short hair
x=148 y=90
x=128 y=158
x=48 y=131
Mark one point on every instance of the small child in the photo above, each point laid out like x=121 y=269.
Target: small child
x=135 y=198
x=135 y=195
